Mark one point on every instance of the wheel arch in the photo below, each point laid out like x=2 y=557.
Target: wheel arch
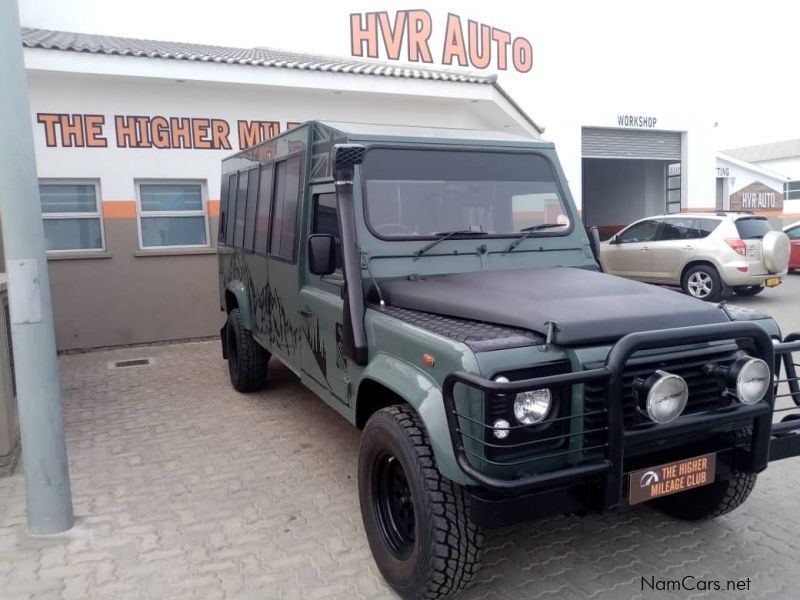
x=698 y=262
x=388 y=380
x=236 y=296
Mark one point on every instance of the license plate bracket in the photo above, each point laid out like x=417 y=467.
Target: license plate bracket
x=671 y=478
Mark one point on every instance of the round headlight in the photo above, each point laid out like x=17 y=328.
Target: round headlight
x=501 y=429
x=752 y=380
x=532 y=407
x=662 y=396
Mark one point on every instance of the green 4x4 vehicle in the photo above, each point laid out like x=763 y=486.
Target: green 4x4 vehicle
x=437 y=289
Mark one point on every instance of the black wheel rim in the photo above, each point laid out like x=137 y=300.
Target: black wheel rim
x=393 y=504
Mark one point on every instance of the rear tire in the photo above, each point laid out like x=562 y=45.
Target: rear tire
x=247 y=361
x=702 y=282
x=417 y=522
x=748 y=290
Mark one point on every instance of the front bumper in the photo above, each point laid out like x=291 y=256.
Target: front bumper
x=606 y=464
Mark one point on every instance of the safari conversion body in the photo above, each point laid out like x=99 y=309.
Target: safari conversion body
x=437 y=289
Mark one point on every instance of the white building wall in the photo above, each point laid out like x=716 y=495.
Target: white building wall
x=698 y=147
x=785 y=166
x=118 y=167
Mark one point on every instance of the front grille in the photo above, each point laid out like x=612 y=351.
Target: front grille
x=705 y=392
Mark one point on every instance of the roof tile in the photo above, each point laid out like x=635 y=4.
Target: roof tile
x=260 y=57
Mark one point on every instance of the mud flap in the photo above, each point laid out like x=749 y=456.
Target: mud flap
x=223 y=338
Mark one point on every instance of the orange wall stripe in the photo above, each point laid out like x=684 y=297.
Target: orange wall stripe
x=126 y=209
x=119 y=209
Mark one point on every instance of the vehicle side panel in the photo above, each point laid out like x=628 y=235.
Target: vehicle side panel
x=398 y=366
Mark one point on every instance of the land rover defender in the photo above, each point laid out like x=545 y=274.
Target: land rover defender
x=437 y=289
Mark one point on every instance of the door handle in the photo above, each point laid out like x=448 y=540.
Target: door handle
x=645 y=249
x=688 y=247
x=304 y=312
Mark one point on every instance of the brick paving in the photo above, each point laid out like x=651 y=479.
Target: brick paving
x=184 y=488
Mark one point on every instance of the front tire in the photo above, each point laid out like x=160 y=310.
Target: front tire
x=702 y=282
x=710 y=501
x=247 y=361
x=748 y=290
x=417 y=522
x=716 y=499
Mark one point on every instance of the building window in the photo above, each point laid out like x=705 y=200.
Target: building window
x=791 y=190
x=674 y=188
x=71 y=215
x=172 y=214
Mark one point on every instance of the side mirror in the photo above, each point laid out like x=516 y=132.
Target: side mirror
x=594 y=242
x=614 y=240
x=321 y=254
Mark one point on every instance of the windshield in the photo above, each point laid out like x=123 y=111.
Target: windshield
x=421 y=193
x=752 y=228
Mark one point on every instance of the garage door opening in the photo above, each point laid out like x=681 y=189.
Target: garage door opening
x=629 y=175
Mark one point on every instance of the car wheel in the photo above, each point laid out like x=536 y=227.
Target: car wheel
x=247 y=360
x=703 y=282
x=748 y=290
x=417 y=522
x=716 y=499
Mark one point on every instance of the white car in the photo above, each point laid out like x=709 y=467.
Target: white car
x=701 y=252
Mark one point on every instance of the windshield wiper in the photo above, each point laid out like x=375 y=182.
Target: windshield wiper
x=528 y=231
x=446 y=235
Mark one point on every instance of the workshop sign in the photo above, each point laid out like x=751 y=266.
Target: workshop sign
x=757 y=196
x=65 y=130
x=409 y=35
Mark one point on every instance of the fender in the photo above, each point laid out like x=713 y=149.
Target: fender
x=239 y=290
x=424 y=394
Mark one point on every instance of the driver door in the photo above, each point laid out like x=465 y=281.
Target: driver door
x=629 y=254
x=321 y=305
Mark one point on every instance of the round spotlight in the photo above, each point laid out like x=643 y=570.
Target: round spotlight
x=750 y=378
x=501 y=429
x=532 y=407
x=662 y=396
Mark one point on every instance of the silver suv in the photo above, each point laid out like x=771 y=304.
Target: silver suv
x=701 y=252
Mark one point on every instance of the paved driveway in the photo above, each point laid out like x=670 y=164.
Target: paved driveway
x=184 y=488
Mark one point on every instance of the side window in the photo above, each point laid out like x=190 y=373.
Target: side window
x=223 y=208
x=284 y=219
x=793 y=233
x=230 y=218
x=641 y=232
x=250 y=214
x=263 y=211
x=678 y=229
x=241 y=209
x=706 y=226
x=325 y=219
